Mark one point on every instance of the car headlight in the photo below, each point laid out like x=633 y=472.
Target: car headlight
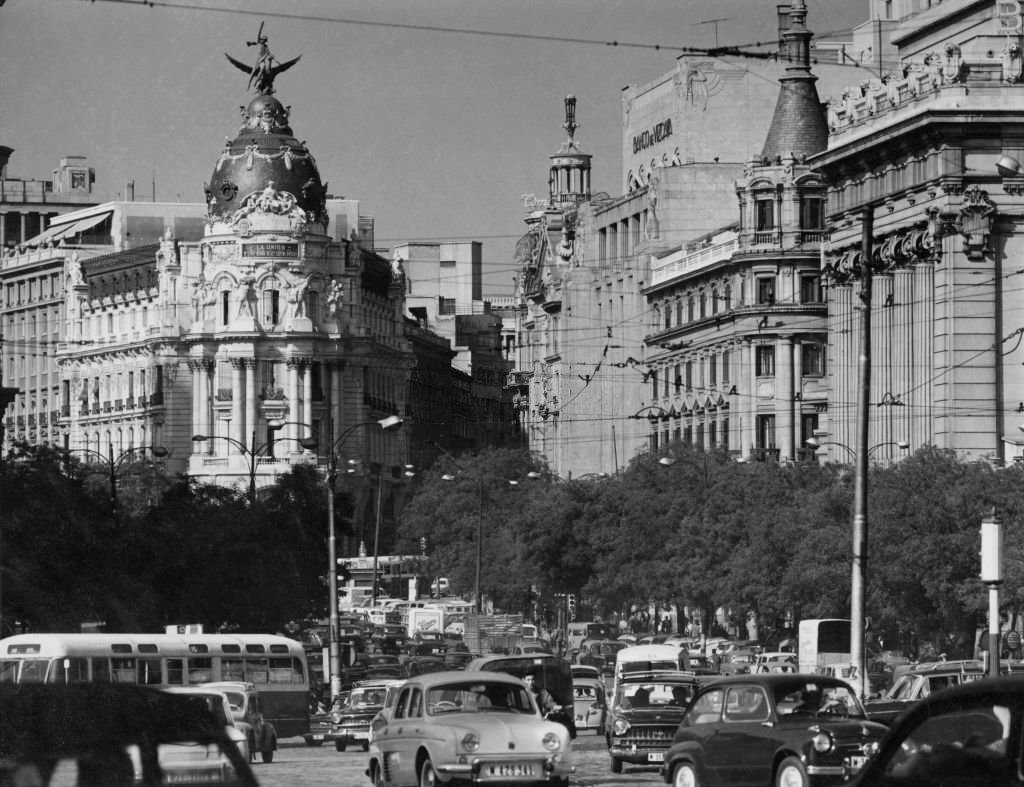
x=551 y=741
x=471 y=742
x=335 y=718
x=620 y=727
x=823 y=742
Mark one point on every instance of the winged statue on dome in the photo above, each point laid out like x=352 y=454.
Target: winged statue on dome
x=266 y=68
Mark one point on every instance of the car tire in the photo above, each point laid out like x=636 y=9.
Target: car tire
x=684 y=775
x=339 y=746
x=791 y=773
x=428 y=776
x=268 y=755
x=616 y=765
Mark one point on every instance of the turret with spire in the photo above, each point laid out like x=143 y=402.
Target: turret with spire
x=569 y=176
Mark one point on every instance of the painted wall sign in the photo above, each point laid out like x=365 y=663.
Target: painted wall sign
x=290 y=250
x=652 y=136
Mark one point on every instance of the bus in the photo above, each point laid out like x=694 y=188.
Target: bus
x=822 y=642
x=275 y=665
x=577 y=631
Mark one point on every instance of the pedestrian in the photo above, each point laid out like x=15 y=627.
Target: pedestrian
x=545 y=701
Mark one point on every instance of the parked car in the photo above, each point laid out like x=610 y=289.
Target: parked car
x=775 y=661
x=776 y=728
x=217 y=703
x=970 y=735
x=918 y=682
x=350 y=723
x=645 y=713
x=590 y=705
x=113 y=731
x=244 y=705
x=470 y=727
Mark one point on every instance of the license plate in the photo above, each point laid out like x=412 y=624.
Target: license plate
x=656 y=756
x=192 y=777
x=512 y=769
x=856 y=762
x=317 y=736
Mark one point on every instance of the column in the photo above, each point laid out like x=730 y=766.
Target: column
x=293 y=399
x=206 y=404
x=748 y=396
x=250 y=396
x=335 y=394
x=784 y=404
x=307 y=396
x=237 y=415
x=196 y=367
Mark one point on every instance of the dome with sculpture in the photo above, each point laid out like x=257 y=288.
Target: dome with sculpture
x=265 y=157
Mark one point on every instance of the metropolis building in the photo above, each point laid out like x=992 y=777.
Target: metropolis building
x=260 y=321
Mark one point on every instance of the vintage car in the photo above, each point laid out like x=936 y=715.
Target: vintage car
x=427 y=643
x=244 y=705
x=645 y=713
x=218 y=704
x=388 y=638
x=777 y=661
x=114 y=733
x=590 y=705
x=918 y=682
x=600 y=653
x=350 y=722
x=420 y=665
x=971 y=735
x=786 y=729
x=552 y=673
x=469 y=727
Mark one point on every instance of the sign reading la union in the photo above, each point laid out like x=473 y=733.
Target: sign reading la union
x=290 y=250
x=652 y=136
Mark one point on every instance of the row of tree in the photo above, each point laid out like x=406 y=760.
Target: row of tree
x=704 y=532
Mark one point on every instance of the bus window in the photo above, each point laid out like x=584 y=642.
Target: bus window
x=122 y=670
x=33 y=671
x=281 y=671
x=100 y=671
x=175 y=672
x=70 y=671
x=256 y=671
x=232 y=669
x=149 y=672
x=200 y=670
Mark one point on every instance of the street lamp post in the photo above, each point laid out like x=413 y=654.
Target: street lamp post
x=250 y=451
x=111 y=463
x=814 y=442
x=479 y=531
x=334 y=646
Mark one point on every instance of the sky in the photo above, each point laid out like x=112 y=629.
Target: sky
x=437 y=131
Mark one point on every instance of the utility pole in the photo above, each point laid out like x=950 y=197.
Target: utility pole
x=715 y=23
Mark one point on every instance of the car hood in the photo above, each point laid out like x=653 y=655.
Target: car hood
x=497 y=730
x=850 y=729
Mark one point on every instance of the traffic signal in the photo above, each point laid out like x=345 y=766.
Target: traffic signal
x=572 y=606
x=344 y=575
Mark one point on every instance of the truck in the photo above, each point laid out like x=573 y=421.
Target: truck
x=425 y=619
x=493 y=633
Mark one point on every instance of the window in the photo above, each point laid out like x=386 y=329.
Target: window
x=446 y=305
x=654 y=384
x=312 y=303
x=810 y=289
x=725 y=366
x=668 y=317
x=764 y=214
x=272 y=306
x=712 y=370
x=765 y=360
x=689 y=375
x=812 y=213
x=678 y=378
x=679 y=312
x=225 y=302
x=765 y=290
x=703 y=304
x=714 y=301
x=812 y=359
x=707 y=709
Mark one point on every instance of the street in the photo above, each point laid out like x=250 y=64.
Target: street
x=295 y=763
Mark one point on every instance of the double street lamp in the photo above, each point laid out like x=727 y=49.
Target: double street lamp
x=112 y=463
x=252 y=451
x=814 y=442
x=391 y=422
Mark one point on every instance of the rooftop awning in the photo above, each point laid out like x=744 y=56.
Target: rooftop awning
x=67 y=229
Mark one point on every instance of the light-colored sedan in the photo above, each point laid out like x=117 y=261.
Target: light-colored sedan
x=467 y=726
x=590 y=705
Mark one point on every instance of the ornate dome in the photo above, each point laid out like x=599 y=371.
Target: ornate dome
x=265 y=156
x=265 y=153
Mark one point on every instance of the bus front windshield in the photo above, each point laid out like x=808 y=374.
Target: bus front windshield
x=23 y=670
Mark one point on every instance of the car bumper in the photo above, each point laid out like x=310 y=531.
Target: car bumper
x=508 y=769
x=637 y=755
x=821 y=775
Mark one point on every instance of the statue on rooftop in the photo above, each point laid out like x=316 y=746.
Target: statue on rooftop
x=263 y=72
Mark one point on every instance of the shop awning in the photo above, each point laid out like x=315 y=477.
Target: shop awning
x=58 y=231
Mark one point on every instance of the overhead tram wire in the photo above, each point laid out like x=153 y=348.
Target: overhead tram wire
x=731 y=50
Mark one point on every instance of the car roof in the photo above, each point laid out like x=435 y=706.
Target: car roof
x=587 y=682
x=771 y=679
x=230 y=685
x=462 y=676
x=655 y=676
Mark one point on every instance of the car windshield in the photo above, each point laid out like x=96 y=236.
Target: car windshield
x=815 y=699
x=653 y=694
x=479 y=697
x=367 y=696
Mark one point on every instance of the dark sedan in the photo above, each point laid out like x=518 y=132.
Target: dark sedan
x=969 y=736
x=786 y=729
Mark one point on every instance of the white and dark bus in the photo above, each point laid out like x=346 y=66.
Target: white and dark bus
x=275 y=665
